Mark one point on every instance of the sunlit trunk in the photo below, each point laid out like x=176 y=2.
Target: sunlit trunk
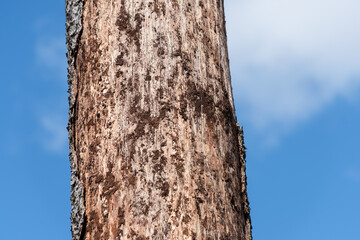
x=155 y=149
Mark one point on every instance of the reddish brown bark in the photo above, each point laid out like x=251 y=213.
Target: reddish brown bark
x=155 y=148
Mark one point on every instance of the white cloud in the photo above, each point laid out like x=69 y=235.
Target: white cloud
x=55 y=138
x=291 y=58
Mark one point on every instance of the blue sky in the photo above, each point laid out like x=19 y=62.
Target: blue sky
x=296 y=80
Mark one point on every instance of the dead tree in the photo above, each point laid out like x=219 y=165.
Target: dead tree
x=155 y=149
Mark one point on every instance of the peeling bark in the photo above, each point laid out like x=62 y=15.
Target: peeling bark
x=155 y=149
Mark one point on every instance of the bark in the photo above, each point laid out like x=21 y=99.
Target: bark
x=155 y=149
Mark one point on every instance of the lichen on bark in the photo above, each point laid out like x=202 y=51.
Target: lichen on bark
x=74 y=11
x=245 y=198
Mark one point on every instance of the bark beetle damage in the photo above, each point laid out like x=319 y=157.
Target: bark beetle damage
x=152 y=118
x=123 y=24
x=74 y=11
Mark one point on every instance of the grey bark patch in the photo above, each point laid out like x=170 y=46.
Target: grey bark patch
x=245 y=199
x=77 y=202
x=74 y=14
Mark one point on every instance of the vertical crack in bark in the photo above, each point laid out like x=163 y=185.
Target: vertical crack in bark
x=74 y=12
x=245 y=199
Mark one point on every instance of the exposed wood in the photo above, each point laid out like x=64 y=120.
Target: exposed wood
x=155 y=148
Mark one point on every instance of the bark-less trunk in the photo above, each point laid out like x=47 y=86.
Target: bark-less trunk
x=155 y=149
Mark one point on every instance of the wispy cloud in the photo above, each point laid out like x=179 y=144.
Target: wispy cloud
x=290 y=59
x=353 y=174
x=50 y=46
x=55 y=137
x=50 y=53
x=50 y=63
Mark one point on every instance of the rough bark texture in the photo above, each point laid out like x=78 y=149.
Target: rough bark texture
x=155 y=149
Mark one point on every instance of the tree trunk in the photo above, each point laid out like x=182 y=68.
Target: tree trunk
x=155 y=149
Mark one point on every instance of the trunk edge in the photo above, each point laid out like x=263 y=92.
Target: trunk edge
x=245 y=198
x=74 y=15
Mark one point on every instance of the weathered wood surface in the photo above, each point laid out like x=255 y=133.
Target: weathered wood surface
x=155 y=149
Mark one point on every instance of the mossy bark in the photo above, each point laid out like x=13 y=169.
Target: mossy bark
x=155 y=148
